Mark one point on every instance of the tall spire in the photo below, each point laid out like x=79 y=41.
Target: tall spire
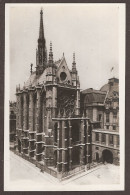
x=41 y=29
x=41 y=54
x=50 y=54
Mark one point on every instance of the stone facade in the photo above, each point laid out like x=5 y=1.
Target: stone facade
x=102 y=107
x=50 y=127
x=12 y=119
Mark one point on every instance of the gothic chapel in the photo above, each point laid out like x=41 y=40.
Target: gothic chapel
x=49 y=125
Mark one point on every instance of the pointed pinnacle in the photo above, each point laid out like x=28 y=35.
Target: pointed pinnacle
x=50 y=46
x=41 y=29
x=41 y=12
x=64 y=114
x=50 y=53
x=58 y=114
x=74 y=57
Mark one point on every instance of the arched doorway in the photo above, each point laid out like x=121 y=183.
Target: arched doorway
x=107 y=156
x=19 y=146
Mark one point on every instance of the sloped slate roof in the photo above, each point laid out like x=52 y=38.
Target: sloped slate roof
x=35 y=79
x=93 y=96
x=105 y=87
x=91 y=90
x=111 y=89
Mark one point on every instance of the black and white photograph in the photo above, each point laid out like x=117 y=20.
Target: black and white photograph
x=64 y=97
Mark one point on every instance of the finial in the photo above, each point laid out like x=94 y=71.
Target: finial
x=50 y=46
x=50 y=54
x=41 y=12
x=74 y=57
x=70 y=114
x=31 y=68
x=64 y=114
x=24 y=86
x=83 y=115
x=63 y=54
x=74 y=63
x=58 y=114
x=78 y=82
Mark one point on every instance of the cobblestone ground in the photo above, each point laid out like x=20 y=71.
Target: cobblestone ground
x=24 y=173
x=106 y=174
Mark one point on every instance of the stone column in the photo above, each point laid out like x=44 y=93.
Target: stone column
x=43 y=113
x=77 y=112
x=100 y=138
x=64 y=162
x=17 y=121
x=20 y=111
x=82 y=158
x=25 y=124
x=94 y=114
x=38 y=126
x=70 y=145
x=31 y=124
x=88 y=142
x=59 y=159
x=21 y=119
x=54 y=101
x=115 y=140
x=107 y=139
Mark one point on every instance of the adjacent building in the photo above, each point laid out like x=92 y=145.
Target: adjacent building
x=102 y=107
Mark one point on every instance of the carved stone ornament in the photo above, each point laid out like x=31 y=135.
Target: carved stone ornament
x=66 y=101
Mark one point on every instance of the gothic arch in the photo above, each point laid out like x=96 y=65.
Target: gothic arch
x=107 y=156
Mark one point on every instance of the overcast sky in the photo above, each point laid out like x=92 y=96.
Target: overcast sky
x=91 y=31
